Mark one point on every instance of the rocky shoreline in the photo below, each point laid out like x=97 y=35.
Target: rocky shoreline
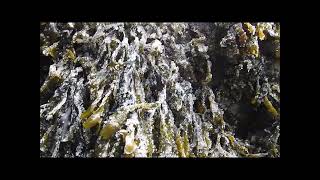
x=160 y=90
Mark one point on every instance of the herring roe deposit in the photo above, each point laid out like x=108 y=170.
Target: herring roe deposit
x=160 y=90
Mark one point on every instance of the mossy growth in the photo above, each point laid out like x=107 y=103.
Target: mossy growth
x=166 y=135
x=200 y=108
x=218 y=120
x=277 y=54
x=254 y=101
x=253 y=49
x=70 y=54
x=91 y=122
x=192 y=155
x=260 y=31
x=242 y=150
x=138 y=98
x=87 y=113
x=155 y=54
x=130 y=143
x=130 y=148
x=243 y=38
x=231 y=140
x=277 y=49
x=164 y=128
x=208 y=78
x=141 y=49
x=53 y=82
x=186 y=145
x=208 y=141
x=53 y=52
x=270 y=107
x=149 y=148
x=277 y=30
x=113 y=45
x=249 y=27
x=202 y=155
x=180 y=146
x=107 y=131
x=170 y=133
x=120 y=116
x=274 y=151
x=94 y=117
x=113 y=65
x=44 y=141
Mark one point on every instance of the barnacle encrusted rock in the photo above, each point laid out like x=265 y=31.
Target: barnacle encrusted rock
x=160 y=89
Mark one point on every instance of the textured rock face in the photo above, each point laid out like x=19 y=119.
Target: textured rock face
x=159 y=90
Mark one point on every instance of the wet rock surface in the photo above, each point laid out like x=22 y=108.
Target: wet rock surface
x=160 y=90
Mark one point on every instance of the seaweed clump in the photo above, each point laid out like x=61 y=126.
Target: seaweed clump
x=186 y=90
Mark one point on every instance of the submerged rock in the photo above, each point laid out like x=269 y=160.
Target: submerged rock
x=159 y=90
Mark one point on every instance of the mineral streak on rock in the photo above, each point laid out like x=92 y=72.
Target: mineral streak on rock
x=159 y=90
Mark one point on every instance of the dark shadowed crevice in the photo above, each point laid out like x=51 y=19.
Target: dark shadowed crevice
x=45 y=63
